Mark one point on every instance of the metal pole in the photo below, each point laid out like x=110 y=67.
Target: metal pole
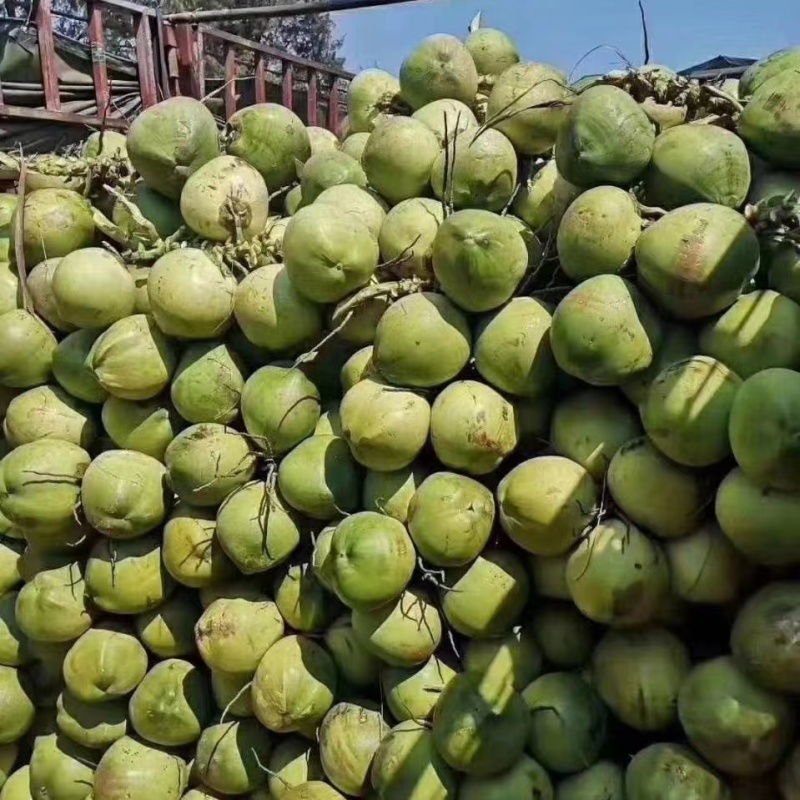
x=286 y=10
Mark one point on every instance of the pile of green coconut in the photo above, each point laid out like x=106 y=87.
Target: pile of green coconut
x=452 y=457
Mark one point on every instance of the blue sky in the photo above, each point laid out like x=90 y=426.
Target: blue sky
x=682 y=32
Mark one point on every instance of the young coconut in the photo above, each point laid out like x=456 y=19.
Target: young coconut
x=565 y=636
x=302 y=600
x=412 y=694
x=391 y=493
x=603 y=779
x=95 y=726
x=168 y=630
x=26 y=350
x=147 y=427
x=71 y=370
x=371 y=95
x=40 y=280
x=543 y=199
x=328 y=168
x=356 y=665
x=407 y=235
x=322 y=140
x=60 y=767
x=446 y=118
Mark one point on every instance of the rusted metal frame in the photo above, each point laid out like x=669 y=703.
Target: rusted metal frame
x=144 y=57
x=334 y=112
x=261 y=79
x=70 y=117
x=312 y=97
x=97 y=45
x=231 y=74
x=47 y=54
x=287 y=85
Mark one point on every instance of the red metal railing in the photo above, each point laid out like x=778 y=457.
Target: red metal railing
x=171 y=59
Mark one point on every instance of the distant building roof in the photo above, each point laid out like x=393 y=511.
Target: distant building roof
x=718 y=67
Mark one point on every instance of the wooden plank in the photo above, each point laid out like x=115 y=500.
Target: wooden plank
x=231 y=73
x=134 y=8
x=47 y=55
x=148 y=86
x=97 y=44
x=261 y=80
x=287 y=85
x=334 y=115
x=313 y=97
x=199 y=62
x=68 y=117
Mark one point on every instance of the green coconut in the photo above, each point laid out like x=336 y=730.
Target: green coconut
x=137 y=770
x=349 y=737
x=567 y=722
x=48 y=412
x=399 y=157
x=565 y=636
x=328 y=168
x=617 y=576
x=232 y=693
x=638 y=675
x=171 y=140
x=208 y=383
x=294 y=761
x=322 y=140
x=123 y=494
x=598 y=233
x=256 y=529
x=739 y=727
x=492 y=50
x=162 y=216
x=55 y=223
x=357 y=665
x=329 y=422
x=294 y=200
x=10 y=290
x=403 y=633
x=168 y=630
x=26 y=350
x=545 y=503
x=652 y=491
x=526 y=779
x=280 y=407
x=486 y=598
x=759 y=642
x=450 y=519
x=10 y=553
x=272 y=314
x=407 y=235
x=697 y=164
x=235 y=631
x=17 y=787
x=755 y=519
x=544 y=198
x=271 y=138
x=358 y=367
x=71 y=370
x=328 y=253
x=602 y=780
x=760 y=330
x=607 y=138
x=126 y=576
x=479 y=258
x=671 y=772
x=40 y=288
x=482 y=171
x=302 y=600
x=354 y=145
x=191 y=297
x=440 y=67
x=320 y=478
x=479 y=729
x=391 y=493
x=412 y=694
x=688 y=409
x=371 y=560
x=39 y=506
x=695 y=260
x=605 y=331
x=446 y=118
x=8 y=205
x=171 y=705
x=591 y=426
x=407 y=766
x=294 y=685
x=422 y=340
x=132 y=359
x=312 y=790
x=14 y=650
x=230 y=754
x=514 y=659
x=361 y=203
x=148 y=426
x=762 y=430
x=92 y=288
x=60 y=768
x=105 y=664
x=91 y=725
x=385 y=428
x=769 y=121
x=528 y=103
x=8 y=758
x=371 y=95
x=52 y=606
x=15 y=704
x=758 y=73
x=473 y=428
x=782 y=261
x=226 y=198
x=206 y=462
